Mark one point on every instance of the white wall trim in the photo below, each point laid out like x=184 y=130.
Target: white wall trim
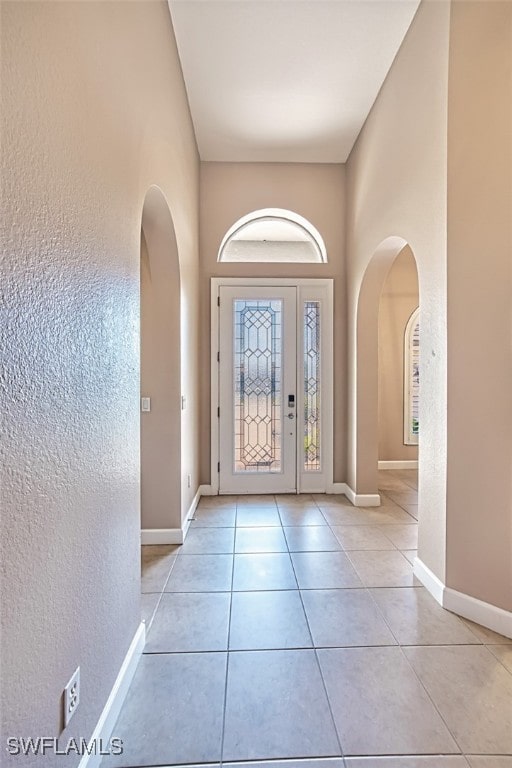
x=398 y=464
x=172 y=535
x=487 y=615
x=429 y=580
x=117 y=695
x=206 y=490
x=161 y=536
x=362 y=499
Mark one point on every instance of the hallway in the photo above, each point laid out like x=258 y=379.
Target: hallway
x=292 y=627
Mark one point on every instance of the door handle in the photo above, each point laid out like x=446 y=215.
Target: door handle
x=291 y=415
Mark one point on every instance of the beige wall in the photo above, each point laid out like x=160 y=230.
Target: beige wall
x=480 y=302
x=231 y=190
x=94 y=112
x=398 y=300
x=396 y=187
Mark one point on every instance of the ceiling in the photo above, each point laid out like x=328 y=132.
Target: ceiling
x=285 y=80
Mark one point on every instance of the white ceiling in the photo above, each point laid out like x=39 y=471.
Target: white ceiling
x=285 y=80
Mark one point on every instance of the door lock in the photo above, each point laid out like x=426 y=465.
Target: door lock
x=291 y=415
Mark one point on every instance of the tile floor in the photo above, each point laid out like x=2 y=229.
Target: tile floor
x=291 y=629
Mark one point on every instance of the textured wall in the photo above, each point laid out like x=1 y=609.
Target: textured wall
x=479 y=556
x=396 y=186
x=398 y=300
x=317 y=192
x=93 y=112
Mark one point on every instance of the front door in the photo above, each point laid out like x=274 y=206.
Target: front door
x=258 y=390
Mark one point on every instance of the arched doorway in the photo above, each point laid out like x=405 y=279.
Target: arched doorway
x=367 y=366
x=161 y=490
x=398 y=384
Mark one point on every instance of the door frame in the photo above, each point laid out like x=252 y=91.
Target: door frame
x=313 y=482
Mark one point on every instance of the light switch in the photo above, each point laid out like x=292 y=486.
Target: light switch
x=145 y=404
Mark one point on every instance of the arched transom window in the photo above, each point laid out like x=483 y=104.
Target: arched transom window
x=273 y=235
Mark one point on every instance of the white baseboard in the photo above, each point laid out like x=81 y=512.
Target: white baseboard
x=429 y=580
x=398 y=465
x=108 y=717
x=161 y=536
x=487 y=615
x=172 y=535
x=207 y=490
x=362 y=499
x=469 y=607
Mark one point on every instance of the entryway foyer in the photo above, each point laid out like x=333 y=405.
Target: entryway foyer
x=292 y=627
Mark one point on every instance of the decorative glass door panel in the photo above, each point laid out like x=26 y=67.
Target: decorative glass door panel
x=257 y=377
x=257 y=385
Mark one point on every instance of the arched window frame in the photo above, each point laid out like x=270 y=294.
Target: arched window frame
x=276 y=214
x=411 y=378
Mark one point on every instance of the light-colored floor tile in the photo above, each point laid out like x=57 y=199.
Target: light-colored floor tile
x=254 y=500
x=324 y=570
x=379 y=706
x=260 y=539
x=301 y=516
x=311 y=538
x=220 y=502
x=201 y=573
x=211 y=541
x=294 y=499
x=345 y=617
x=503 y=653
x=156 y=564
x=410 y=555
x=268 y=620
x=388 y=513
x=489 y=761
x=276 y=707
x=263 y=572
x=387 y=482
x=173 y=711
x=403 y=497
x=408 y=476
x=362 y=537
x=413 y=761
x=327 y=762
x=251 y=517
x=412 y=509
x=473 y=693
x=382 y=569
x=214 y=517
x=192 y=621
x=487 y=636
x=345 y=516
x=415 y=618
x=402 y=536
x=331 y=500
x=148 y=605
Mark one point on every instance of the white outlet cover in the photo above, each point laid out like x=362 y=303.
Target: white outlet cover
x=71 y=696
x=145 y=404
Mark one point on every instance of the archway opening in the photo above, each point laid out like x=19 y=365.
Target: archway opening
x=398 y=385
x=161 y=490
x=368 y=375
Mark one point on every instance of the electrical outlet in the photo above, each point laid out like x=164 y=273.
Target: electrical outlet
x=71 y=696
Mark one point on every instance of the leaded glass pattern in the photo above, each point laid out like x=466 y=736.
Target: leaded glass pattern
x=312 y=386
x=258 y=384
